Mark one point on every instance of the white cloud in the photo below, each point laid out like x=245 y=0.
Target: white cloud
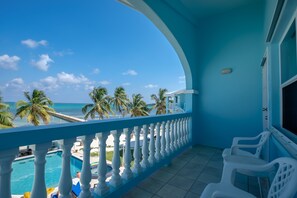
x=150 y=86
x=126 y=84
x=16 y=83
x=104 y=82
x=49 y=83
x=181 y=79
x=67 y=78
x=34 y=44
x=96 y=71
x=130 y=72
x=9 y=62
x=43 y=63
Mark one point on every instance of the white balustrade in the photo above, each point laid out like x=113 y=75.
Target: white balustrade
x=137 y=166
x=158 y=143
x=39 y=187
x=152 y=158
x=86 y=174
x=172 y=133
x=168 y=139
x=163 y=141
x=65 y=183
x=145 y=163
x=127 y=174
x=6 y=158
x=116 y=179
x=102 y=187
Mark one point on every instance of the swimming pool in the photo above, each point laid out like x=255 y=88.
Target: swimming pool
x=23 y=172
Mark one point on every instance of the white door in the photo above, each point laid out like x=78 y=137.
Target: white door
x=265 y=105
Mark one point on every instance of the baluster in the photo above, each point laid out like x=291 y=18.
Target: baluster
x=137 y=166
x=102 y=187
x=65 y=183
x=39 y=187
x=152 y=158
x=145 y=163
x=116 y=179
x=172 y=138
x=86 y=174
x=127 y=174
x=187 y=130
x=178 y=136
x=6 y=158
x=163 y=141
x=168 y=140
x=183 y=131
x=158 y=143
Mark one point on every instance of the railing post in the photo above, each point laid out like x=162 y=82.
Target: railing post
x=127 y=174
x=175 y=135
x=102 y=187
x=39 y=187
x=158 y=143
x=137 y=166
x=116 y=179
x=144 y=163
x=163 y=142
x=178 y=135
x=172 y=137
x=86 y=174
x=152 y=158
x=65 y=183
x=6 y=159
x=168 y=140
x=183 y=131
x=188 y=129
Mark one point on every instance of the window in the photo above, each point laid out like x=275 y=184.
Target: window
x=289 y=79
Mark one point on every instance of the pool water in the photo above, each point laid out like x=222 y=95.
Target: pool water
x=23 y=172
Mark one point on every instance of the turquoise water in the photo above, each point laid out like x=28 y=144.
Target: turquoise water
x=23 y=172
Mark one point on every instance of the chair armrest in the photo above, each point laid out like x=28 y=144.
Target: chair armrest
x=237 y=139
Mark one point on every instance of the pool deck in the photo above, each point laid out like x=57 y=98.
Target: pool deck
x=187 y=176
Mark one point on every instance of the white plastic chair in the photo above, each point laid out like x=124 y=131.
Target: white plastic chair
x=283 y=184
x=238 y=149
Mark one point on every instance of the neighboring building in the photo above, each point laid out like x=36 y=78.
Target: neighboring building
x=176 y=100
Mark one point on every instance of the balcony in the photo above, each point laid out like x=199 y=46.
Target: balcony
x=172 y=135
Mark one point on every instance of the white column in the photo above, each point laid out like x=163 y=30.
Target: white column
x=183 y=138
x=137 y=166
x=127 y=174
x=178 y=133
x=152 y=158
x=86 y=174
x=6 y=158
x=102 y=187
x=168 y=141
x=158 y=143
x=163 y=141
x=172 y=137
x=39 y=187
x=116 y=179
x=65 y=183
x=145 y=163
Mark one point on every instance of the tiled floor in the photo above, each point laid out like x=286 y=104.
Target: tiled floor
x=187 y=176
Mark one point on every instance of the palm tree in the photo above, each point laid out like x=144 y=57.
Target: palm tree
x=5 y=116
x=101 y=104
x=138 y=107
x=36 y=108
x=120 y=101
x=160 y=101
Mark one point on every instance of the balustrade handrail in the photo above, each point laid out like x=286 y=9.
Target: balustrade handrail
x=15 y=137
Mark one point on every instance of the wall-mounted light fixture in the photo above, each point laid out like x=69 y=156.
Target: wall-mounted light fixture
x=226 y=71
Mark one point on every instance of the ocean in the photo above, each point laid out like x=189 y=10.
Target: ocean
x=71 y=109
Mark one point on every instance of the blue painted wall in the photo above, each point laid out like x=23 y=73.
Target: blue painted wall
x=230 y=105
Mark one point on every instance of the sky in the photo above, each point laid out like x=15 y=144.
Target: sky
x=66 y=48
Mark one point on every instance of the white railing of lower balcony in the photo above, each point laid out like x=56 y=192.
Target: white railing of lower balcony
x=171 y=136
